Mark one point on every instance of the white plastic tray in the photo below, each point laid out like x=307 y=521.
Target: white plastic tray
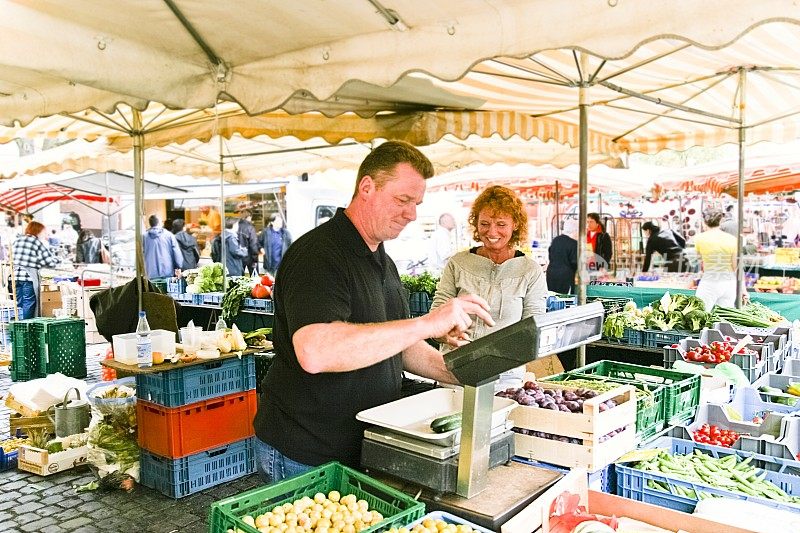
x=413 y=415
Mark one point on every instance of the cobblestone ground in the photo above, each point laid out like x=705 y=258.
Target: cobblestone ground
x=34 y=504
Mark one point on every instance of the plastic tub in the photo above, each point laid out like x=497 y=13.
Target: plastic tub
x=125 y=345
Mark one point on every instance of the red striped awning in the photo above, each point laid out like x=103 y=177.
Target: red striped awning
x=22 y=200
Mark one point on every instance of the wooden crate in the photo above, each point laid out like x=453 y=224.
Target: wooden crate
x=17 y=421
x=589 y=426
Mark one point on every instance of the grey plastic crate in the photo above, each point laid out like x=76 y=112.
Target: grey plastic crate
x=780 y=381
x=778 y=336
x=753 y=366
x=778 y=435
x=791 y=367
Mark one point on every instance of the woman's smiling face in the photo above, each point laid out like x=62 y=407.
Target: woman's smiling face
x=495 y=229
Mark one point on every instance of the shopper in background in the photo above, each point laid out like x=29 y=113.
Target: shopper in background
x=234 y=252
x=249 y=239
x=54 y=240
x=443 y=244
x=342 y=334
x=89 y=248
x=511 y=282
x=668 y=243
x=68 y=236
x=275 y=240
x=599 y=243
x=187 y=243
x=29 y=255
x=563 y=259
x=717 y=251
x=212 y=218
x=729 y=223
x=162 y=254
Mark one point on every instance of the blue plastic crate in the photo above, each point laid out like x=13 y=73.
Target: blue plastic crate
x=658 y=339
x=7 y=314
x=419 y=303
x=633 y=484
x=190 y=384
x=213 y=298
x=8 y=461
x=198 y=299
x=258 y=304
x=631 y=337
x=557 y=303
x=176 y=286
x=759 y=460
x=448 y=519
x=180 y=477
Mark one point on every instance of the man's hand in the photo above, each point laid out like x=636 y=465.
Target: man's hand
x=450 y=322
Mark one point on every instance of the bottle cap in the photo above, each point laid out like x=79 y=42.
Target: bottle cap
x=142 y=314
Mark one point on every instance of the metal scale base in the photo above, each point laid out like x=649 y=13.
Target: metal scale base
x=428 y=465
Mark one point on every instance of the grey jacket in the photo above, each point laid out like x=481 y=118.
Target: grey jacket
x=515 y=290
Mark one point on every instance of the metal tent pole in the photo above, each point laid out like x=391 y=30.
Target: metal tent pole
x=108 y=232
x=138 y=195
x=740 y=190
x=583 y=198
x=558 y=221
x=223 y=252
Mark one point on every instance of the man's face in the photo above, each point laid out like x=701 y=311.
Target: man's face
x=448 y=222
x=394 y=205
x=277 y=223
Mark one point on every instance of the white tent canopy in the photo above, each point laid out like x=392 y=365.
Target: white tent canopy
x=58 y=57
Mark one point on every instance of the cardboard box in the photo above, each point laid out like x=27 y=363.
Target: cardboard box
x=545 y=366
x=536 y=516
x=51 y=299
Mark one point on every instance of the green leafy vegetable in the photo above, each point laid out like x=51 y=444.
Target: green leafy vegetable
x=424 y=282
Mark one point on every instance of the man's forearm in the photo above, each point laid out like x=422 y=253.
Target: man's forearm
x=423 y=360
x=342 y=346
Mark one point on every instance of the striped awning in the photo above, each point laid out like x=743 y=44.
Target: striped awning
x=666 y=94
x=26 y=200
x=58 y=57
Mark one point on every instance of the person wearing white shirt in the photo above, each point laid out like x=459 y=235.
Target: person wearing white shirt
x=443 y=241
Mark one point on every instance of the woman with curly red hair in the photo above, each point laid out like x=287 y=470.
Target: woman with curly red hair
x=496 y=270
x=30 y=254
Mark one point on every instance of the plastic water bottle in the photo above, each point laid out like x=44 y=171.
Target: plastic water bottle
x=144 y=345
x=221 y=325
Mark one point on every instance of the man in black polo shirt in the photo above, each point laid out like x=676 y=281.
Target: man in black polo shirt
x=342 y=334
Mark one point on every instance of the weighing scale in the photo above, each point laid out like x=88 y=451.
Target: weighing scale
x=482 y=458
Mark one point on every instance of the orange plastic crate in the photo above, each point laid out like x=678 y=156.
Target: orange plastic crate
x=175 y=432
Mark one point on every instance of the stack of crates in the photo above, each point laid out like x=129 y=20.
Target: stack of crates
x=7 y=315
x=196 y=425
x=43 y=346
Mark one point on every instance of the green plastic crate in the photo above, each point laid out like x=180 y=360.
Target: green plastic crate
x=398 y=509
x=24 y=356
x=649 y=416
x=681 y=389
x=61 y=346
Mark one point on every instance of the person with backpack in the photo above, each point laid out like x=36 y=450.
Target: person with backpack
x=249 y=239
x=667 y=242
x=187 y=244
x=234 y=253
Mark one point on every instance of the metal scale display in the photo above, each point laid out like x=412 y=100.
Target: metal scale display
x=453 y=476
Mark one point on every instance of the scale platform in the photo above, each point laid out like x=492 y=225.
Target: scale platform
x=510 y=488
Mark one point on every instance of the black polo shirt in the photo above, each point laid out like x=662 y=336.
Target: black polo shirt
x=328 y=275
